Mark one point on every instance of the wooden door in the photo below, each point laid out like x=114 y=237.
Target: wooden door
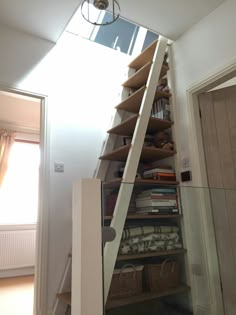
x=218 y=118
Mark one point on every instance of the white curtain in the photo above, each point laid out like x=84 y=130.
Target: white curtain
x=6 y=140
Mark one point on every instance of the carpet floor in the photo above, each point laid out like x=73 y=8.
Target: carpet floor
x=16 y=295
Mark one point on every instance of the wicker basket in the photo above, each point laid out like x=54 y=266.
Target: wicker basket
x=126 y=282
x=161 y=277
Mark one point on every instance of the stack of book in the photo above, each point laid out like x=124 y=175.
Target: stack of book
x=161 y=200
x=160 y=174
x=161 y=109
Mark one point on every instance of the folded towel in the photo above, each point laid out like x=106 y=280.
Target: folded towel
x=130 y=232
x=148 y=246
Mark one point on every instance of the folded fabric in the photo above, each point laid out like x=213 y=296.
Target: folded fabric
x=148 y=246
x=130 y=232
x=153 y=237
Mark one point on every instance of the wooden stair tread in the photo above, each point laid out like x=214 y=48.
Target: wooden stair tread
x=139 y=78
x=147 y=216
x=144 y=56
x=132 y=103
x=126 y=128
x=149 y=154
x=152 y=254
x=142 y=181
x=145 y=297
x=65 y=297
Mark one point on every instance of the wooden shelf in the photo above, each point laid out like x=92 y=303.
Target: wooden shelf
x=145 y=297
x=126 y=128
x=147 y=216
x=139 y=78
x=144 y=57
x=152 y=254
x=65 y=297
x=141 y=181
x=132 y=103
x=149 y=154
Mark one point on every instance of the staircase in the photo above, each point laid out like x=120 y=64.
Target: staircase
x=148 y=69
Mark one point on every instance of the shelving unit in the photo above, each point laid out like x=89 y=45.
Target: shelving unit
x=132 y=103
x=144 y=57
x=145 y=297
x=139 y=78
x=148 y=216
x=127 y=127
x=66 y=297
x=149 y=154
x=141 y=181
x=152 y=254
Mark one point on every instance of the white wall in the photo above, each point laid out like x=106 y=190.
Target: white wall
x=80 y=101
x=202 y=51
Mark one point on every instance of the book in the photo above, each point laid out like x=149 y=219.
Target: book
x=156 y=203
x=161 y=109
x=160 y=170
x=156 y=197
x=157 y=210
x=159 y=190
x=160 y=176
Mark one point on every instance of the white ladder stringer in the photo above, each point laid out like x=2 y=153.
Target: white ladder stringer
x=131 y=166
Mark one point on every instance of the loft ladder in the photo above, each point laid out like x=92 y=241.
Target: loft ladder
x=149 y=68
x=148 y=64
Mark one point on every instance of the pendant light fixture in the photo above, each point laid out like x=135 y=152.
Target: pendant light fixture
x=100 y=5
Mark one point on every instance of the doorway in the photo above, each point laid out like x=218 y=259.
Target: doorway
x=218 y=121
x=22 y=199
x=218 y=196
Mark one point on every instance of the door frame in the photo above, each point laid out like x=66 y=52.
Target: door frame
x=41 y=258
x=197 y=157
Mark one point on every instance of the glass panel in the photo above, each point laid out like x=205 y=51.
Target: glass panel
x=174 y=244
x=150 y=249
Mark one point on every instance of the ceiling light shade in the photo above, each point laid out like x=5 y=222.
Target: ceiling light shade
x=91 y=11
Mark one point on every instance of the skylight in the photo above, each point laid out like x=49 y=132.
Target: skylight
x=122 y=35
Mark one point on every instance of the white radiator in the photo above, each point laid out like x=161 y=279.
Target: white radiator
x=17 y=249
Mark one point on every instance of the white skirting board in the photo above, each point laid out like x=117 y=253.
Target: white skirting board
x=16 y=272
x=17 y=251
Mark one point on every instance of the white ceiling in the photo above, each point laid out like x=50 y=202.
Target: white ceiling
x=170 y=18
x=43 y=18
x=19 y=112
x=48 y=18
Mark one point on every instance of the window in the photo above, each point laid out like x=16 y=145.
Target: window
x=19 y=191
x=150 y=37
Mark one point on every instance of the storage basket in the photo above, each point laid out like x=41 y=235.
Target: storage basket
x=126 y=281
x=163 y=276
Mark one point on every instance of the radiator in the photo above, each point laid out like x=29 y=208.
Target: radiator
x=17 y=249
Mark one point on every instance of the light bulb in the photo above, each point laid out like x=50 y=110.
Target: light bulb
x=101 y=4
